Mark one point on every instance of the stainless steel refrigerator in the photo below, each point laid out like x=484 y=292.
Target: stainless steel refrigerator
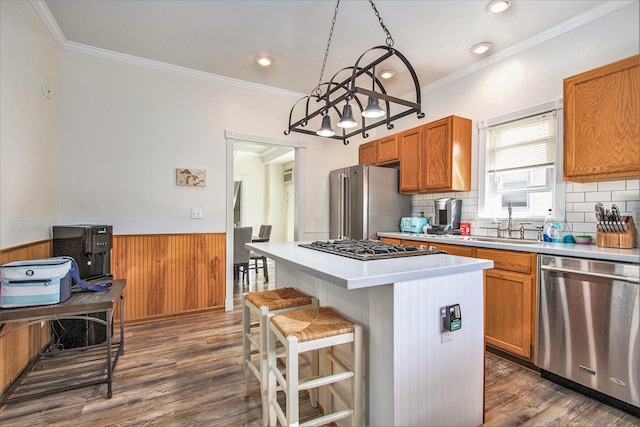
x=365 y=200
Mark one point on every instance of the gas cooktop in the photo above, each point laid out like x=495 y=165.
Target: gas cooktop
x=365 y=250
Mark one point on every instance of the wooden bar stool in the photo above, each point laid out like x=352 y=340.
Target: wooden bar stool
x=307 y=330
x=264 y=303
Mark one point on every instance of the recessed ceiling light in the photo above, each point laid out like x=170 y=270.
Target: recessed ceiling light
x=497 y=6
x=264 y=61
x=481 y=48
x=386 y=74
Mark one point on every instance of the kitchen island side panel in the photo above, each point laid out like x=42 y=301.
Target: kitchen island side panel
x=436 y=383
x=410 y=376
x=373 y=309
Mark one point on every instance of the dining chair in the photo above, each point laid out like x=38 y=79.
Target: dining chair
x=263 y=236
x=241 y=255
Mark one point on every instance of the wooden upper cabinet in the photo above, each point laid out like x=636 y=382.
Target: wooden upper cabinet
x=446 y=155
x=382 y=151
x=387 y=149
x=368 y=153
x=602 y=123
x=436 y=157
x=410 y=145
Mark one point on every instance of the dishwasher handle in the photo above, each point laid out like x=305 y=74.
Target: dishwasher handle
x=591 y=273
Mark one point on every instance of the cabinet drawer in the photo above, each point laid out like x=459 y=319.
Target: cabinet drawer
x=450 y=249
x=391 y=240
x=456 y=250
x=522 y=262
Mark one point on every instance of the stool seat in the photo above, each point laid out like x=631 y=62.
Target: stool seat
x=307 y=330
x=278 y=299
x=312 y=324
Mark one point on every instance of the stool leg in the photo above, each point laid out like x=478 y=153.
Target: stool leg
x=246 y=345
x=356 y=349
x=291 y=389
x=264 y=358
x=268 y=412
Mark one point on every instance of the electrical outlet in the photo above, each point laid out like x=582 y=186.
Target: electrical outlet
x=446 y=336
x=196 y=213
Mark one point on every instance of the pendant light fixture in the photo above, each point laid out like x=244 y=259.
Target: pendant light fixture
x=347 y=121
x=373 y=110
x=337 y=96
x=325 y=129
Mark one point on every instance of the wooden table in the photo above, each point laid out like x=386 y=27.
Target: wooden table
x=76 y=307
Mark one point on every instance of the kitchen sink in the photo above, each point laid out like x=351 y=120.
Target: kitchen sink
x=503 y=240
x=455 y=237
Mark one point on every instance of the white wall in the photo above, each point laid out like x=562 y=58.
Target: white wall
x=530 y=78
x=125 y=129
x=29 y=126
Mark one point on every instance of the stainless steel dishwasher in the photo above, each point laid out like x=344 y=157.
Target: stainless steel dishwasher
x=589 y=328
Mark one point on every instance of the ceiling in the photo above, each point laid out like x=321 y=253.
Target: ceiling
x=223 y=37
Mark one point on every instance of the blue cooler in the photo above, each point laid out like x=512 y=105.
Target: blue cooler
x=35 y=282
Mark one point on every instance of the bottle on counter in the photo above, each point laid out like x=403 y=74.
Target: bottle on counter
x=557 y=232
x=548 y=228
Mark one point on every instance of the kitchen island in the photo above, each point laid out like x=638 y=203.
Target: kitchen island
x=414 y=374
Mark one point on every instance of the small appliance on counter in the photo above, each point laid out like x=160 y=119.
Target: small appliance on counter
x=413 y=224
x=447 y=216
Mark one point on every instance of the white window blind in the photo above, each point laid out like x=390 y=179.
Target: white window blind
x=519 y=165
x=525 y=143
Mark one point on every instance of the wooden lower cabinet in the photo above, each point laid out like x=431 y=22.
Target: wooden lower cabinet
x=510 y=301
x=508 y=311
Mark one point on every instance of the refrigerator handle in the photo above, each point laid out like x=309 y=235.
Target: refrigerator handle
x=347 y=208
x=342 y=202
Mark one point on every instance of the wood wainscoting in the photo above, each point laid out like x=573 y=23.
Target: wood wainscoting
x=17 y=348
x=170 y=274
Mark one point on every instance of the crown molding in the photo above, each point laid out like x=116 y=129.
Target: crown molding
x=564 y=27
x=175 y=69
x=49 y=21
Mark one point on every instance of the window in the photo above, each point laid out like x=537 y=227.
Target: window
x=519 y=166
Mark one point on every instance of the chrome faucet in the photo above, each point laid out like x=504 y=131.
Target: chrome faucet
x=509 y=229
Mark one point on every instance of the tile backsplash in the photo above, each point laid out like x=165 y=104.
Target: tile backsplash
x=580 y=199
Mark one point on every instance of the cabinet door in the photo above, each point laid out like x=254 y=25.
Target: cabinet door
x=368 y=153
x=602 y=123
x=410 y=142
x=387 y=149
x=446 y=155
x=436 y=155
x=508 y=306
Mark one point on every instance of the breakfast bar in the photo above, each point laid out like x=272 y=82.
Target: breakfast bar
x=414 y=373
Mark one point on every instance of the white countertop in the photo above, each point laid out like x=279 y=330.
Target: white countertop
x=354 y=274
x=563 y=249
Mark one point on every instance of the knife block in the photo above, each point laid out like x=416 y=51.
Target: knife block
x=626 y=240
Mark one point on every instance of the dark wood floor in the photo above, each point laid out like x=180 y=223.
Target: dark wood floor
x=188 y=372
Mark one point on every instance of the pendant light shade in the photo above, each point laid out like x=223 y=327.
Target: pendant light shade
x=325 y=129
x=347 y=121
x=373 y=109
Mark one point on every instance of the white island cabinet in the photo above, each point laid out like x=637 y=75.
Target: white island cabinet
x=413 y=377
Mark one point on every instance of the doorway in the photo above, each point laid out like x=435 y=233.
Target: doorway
x=265 y=178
